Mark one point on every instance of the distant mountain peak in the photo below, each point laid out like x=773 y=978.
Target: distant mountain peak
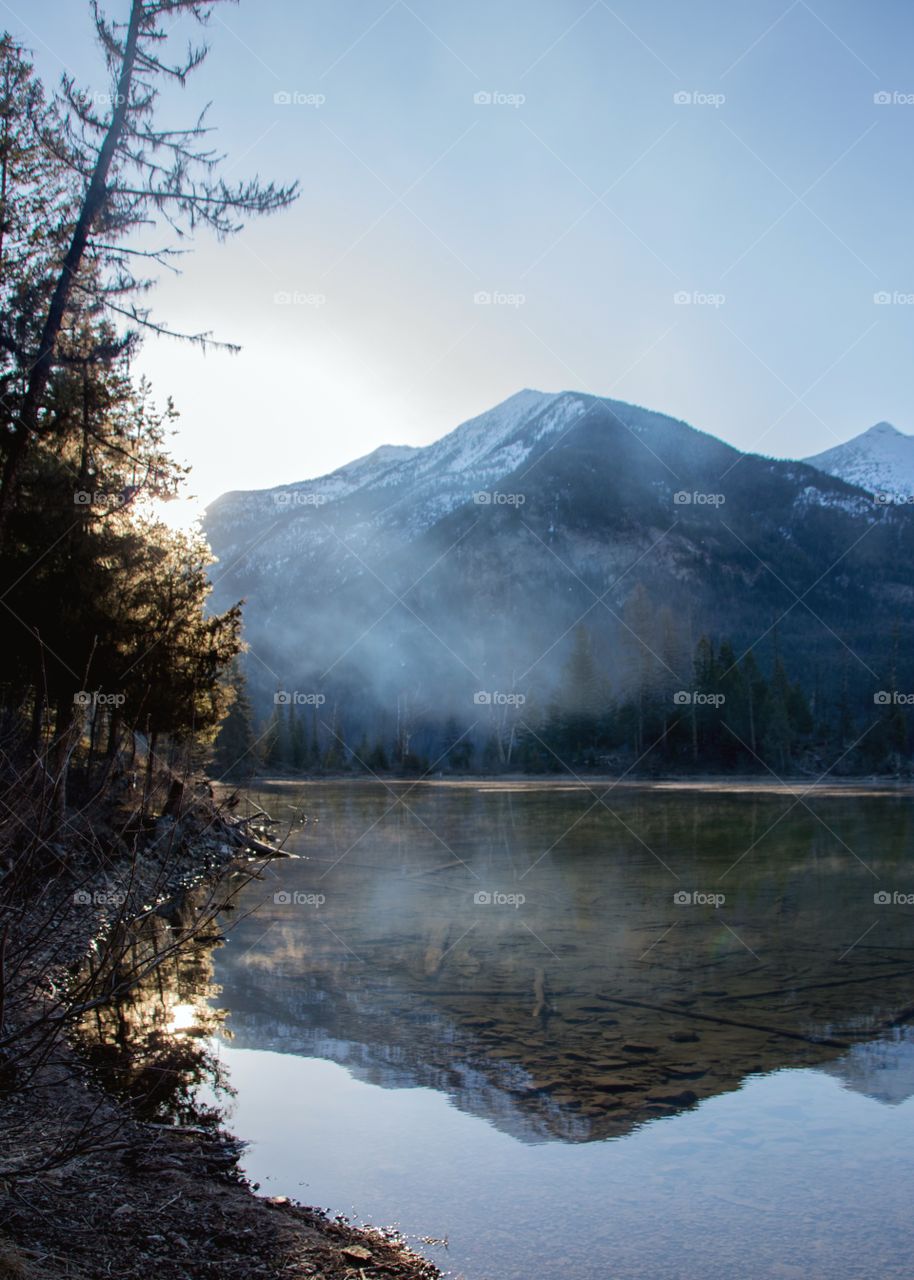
x=884 y=429
x=880 y=460
x=391 y=452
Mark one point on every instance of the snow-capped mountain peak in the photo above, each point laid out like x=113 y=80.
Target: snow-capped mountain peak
x=419 y=576
x=883 y=429
x=431 y=480
x=880 y=460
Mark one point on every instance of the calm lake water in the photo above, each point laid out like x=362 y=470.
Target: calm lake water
x=664 y=1034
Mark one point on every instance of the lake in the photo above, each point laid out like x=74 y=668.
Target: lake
x=557 y=1030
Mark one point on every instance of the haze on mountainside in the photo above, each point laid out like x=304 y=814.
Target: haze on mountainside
x=557 y=529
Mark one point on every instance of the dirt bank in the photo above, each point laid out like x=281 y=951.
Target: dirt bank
x=91 y=1184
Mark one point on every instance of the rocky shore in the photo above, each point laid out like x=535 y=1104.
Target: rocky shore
x=94 y=1180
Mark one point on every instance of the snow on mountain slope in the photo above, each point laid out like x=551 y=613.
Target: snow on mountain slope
x=392 y=575
x=418 y=485
x=445 y=473
x=400 y=492
x=880 y=460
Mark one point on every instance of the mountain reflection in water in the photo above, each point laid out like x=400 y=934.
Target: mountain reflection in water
x=521 y=949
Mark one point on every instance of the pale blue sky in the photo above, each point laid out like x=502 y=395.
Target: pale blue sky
x=597 y=198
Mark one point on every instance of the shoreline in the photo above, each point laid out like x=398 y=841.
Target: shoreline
x=170 y=1198
x=89 y=1187
x=717 y=783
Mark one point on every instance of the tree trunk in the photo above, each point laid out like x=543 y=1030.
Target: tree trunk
x=152 y=744
x=114 y=733
x=93 y=204
x=37 y=725
x=66 y=733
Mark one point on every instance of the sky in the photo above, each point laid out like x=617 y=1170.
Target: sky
x=702 y=208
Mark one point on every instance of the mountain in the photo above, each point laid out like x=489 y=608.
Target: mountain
x=880 y=460
x=882 y=1070
x=423 y=483
x=414 y=584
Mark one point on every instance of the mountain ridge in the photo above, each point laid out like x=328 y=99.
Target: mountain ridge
x=390 y=462
x=466 y=565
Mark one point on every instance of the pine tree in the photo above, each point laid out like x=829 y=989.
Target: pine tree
x=378 y=760
x=297 y=740
x=778 y=742
x=235 y=751
x=646 y=674
x=275 y=740
x=577 y=714
x=100 y=173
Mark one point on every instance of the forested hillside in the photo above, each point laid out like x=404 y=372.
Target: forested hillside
x=569 y=582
